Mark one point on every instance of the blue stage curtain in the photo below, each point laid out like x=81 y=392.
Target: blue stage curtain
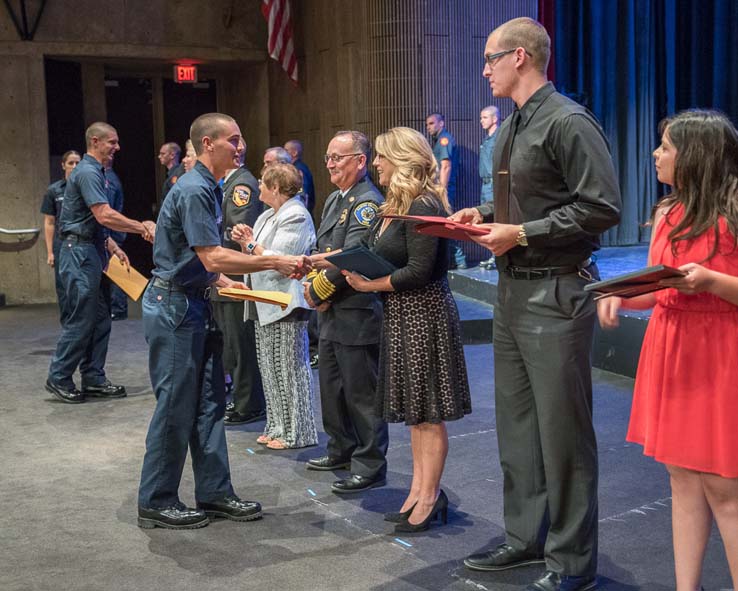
x=632 y=62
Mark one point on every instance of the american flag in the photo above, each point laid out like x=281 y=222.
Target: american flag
x=281 y=45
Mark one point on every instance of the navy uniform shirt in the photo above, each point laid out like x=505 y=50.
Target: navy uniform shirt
x=85 y=188
x=444 y=148
x=485 y=157
x=114 y=190
x=190 y=216
x=173 y=175
x=52 y=203
x=308 y=186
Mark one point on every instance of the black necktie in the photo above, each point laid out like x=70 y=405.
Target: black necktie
x=502 y=184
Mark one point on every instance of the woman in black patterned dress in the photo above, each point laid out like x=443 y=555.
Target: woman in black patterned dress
x=422 y=372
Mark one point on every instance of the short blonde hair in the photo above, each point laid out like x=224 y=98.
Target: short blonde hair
x=285 y=178
x=529 y=34
x=416 y=170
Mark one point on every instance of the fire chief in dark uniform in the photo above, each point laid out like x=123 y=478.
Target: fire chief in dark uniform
x=185 y=346
x=350 y=324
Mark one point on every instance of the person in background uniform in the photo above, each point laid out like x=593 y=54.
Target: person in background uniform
x=447 y=158
x=188 y=162
x=85 y=219
x=294 y=148
x=555 y=192
x=185 y=345
x=169 y=154
x=51 y=207
x=114 y=190
x=489 y=120
x=350 y=324
x=240 y=205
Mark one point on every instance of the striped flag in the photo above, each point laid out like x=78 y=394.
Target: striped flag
x=281 y=45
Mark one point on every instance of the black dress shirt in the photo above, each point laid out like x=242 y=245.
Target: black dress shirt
x=563 y=180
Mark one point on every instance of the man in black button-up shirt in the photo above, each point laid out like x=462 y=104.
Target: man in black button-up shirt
x=562 y=193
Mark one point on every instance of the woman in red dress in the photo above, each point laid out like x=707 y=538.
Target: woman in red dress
x=685 y=401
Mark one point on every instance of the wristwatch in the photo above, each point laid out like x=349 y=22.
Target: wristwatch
x=250 y=247
x=522 y=237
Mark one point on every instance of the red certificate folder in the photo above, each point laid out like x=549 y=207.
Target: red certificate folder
x=441 y=227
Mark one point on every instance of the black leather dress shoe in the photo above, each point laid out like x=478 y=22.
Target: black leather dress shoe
x=232 y=508
x=68 y=395
x=235 y=418
x=178 y=516
x=551 y=581
x=105 y=390
x=356 y=483
x=326 y=463
x=502 y=557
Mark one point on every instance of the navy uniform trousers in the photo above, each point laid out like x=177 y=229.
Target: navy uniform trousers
x=85 y=316
x=185 y=364
x=543 y=333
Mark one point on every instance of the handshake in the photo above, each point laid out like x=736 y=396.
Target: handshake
x=292 y=266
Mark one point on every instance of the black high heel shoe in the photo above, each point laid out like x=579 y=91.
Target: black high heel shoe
x=440 y=508
x=399 y=517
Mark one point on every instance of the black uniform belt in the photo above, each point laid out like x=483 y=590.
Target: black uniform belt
x=76 y=238
x=486 y=179
x=544 y=272
x=197 y=293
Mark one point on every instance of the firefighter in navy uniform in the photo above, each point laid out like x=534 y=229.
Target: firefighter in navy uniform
x=350 y=325
x=241 y=205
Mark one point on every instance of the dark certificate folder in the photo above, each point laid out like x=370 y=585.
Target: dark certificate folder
x=635 y=283
x=363 y=261
x=441 y=227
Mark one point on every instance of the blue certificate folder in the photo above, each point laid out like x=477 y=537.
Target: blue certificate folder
x=635 y=283
x=363 y=261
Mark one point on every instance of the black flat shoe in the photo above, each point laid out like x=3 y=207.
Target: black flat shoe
x=502 y=557
x=440 y=509
x=235 y=418
x=68 y=395
x=327 y=463
x=551 y=581
x=104 y=390
x=399 y=517
x=232 y=508
x=355 y=484
x=178 y=516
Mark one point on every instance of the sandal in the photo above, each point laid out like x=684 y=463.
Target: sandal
x=263 y=439
x=277 y=444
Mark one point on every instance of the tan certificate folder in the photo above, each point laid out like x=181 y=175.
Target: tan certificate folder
x=277 y=298
x=128 y=279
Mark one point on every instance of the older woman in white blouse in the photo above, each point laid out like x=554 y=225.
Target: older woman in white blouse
x=281 y=335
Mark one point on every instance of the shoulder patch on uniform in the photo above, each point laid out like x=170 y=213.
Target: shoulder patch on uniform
x=366 y=212
x=443 y=141
x=241 y=195
x=174 y=179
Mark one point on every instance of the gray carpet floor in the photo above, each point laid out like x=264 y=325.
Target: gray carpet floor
x=70 y=475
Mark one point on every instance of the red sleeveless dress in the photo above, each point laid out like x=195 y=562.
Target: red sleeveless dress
x=685 y=402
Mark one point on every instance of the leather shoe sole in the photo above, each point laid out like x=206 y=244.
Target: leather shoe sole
x=337 y=489
x=328 y=467
x=106 y=390
x=237 y=419
x=172 y=518
x=72 y=396
x=492 y=568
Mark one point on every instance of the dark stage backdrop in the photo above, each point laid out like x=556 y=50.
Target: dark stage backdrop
x=632 y=62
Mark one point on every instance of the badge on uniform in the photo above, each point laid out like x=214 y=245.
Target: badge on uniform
x=344 y=215
x=241 y=195
x=443 y=141
x=173 y=180
x=366 y=212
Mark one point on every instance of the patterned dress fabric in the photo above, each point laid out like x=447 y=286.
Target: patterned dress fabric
x=685 y=403
x=282 y=348
x=422 y=370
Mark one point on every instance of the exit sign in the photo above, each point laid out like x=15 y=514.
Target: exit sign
x=185 y=74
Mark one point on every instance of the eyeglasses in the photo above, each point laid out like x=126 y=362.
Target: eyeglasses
x=336 y=158
x=491 y=58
